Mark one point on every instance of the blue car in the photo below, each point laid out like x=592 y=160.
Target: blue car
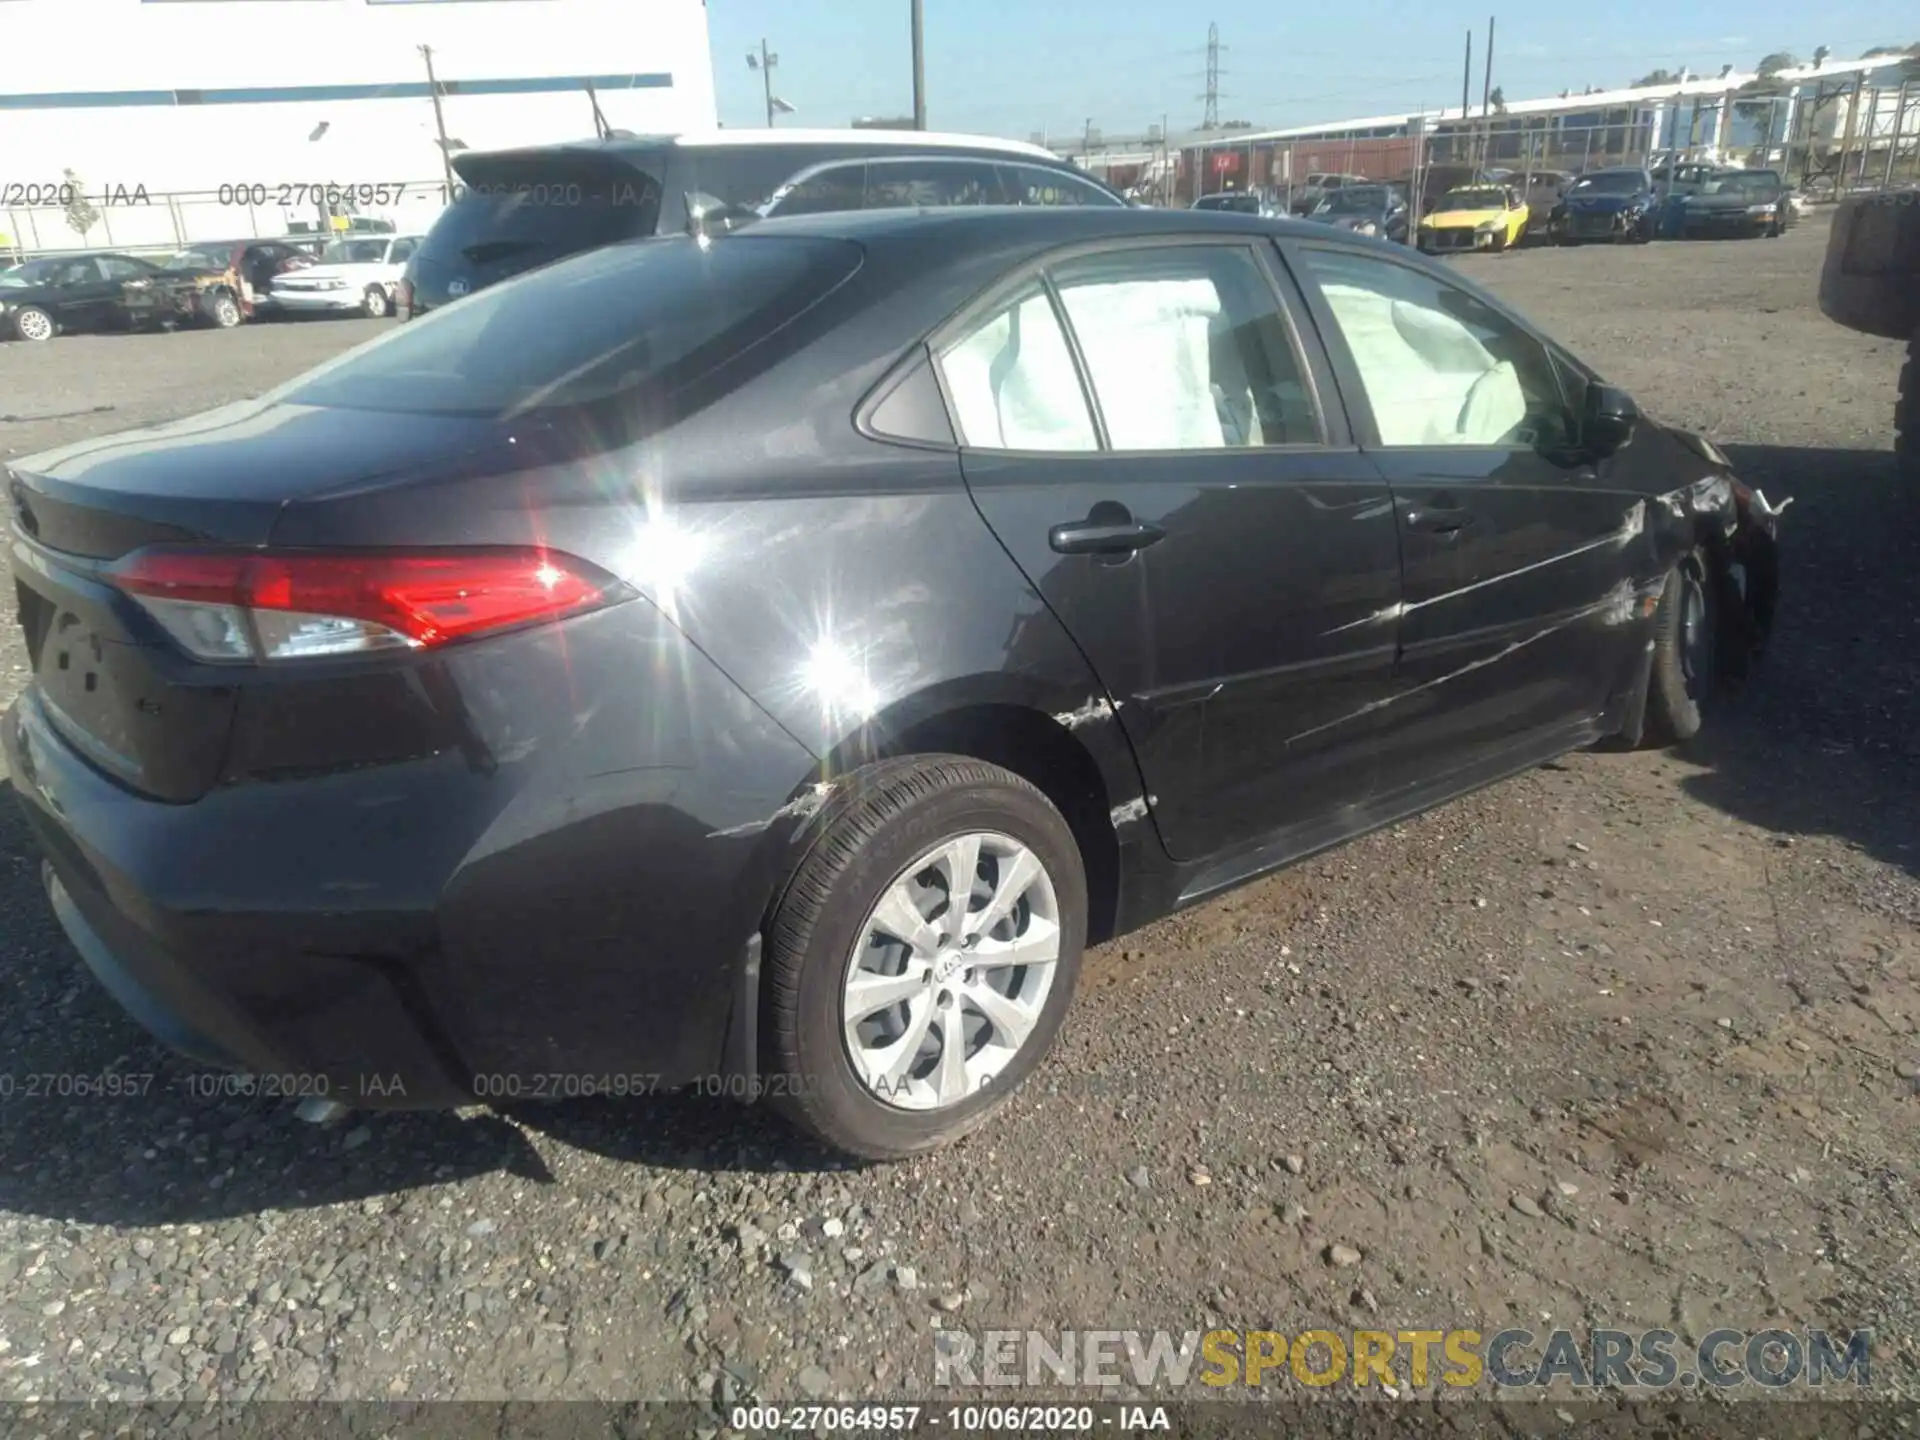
x=1612 y=205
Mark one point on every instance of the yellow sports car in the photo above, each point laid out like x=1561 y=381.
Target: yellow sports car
x=1475 y=217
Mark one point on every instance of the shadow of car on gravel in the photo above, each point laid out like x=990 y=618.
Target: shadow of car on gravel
x=1824 y=737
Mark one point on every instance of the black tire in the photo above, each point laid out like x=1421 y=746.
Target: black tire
x=1906 y=415
x=222 y=310
x=1682 y=684
x=880 y=821
x=32 y=323
x=377 y=303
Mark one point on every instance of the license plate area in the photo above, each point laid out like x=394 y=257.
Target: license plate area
x=121 y=704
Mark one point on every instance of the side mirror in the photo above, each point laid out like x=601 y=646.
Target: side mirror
x=1610 y=420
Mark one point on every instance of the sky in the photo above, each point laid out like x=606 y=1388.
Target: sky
x=1020 y=67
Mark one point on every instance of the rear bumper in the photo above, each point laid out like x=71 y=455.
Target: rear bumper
x=309 y=1024
x=570 y=917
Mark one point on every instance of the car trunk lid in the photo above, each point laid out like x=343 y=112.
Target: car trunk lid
x=104 y=673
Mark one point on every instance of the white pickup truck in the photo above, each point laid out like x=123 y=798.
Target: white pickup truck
x=358 y=273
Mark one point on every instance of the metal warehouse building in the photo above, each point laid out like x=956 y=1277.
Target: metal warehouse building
x=198 y=97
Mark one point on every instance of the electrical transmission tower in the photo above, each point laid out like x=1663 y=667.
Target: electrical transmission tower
x=1210 y=120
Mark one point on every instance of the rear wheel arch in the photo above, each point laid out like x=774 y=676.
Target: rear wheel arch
x=1083 y=772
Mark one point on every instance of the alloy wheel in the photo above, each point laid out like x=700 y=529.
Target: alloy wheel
x=34 y=325
x=951 y=972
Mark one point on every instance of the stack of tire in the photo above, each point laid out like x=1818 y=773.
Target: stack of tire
x=1871 y=283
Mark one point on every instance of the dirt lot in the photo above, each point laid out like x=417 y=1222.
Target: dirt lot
x=1629 y=1040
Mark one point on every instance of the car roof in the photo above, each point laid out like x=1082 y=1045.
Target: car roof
x=623 y=143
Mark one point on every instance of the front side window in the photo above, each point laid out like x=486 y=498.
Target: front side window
x=1013 y=384
x=119 y=267
x=1187 y=349
x=1439 y=366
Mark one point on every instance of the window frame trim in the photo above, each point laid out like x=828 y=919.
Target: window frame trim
x=1334 y=433
x=1346 y=370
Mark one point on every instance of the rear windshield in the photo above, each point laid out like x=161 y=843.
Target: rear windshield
x=537 y=208
x=1248 y=203
x=599 y=324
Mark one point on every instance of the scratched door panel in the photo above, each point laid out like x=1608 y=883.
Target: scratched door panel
x=1515 y=623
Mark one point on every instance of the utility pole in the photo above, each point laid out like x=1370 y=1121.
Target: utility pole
x=1466 y=89
x=764 y=63
x=919 y=65
x=1486 y=99
x=439 y=121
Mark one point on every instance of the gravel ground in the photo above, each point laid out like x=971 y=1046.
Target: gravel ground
x=1628 y=1040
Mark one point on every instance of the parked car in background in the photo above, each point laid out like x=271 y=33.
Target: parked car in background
x=1616 y=205
x=1682 y=177
x=1738 y=203
x=1366 y=210
x=360 y=274
x=1318 y=185
x=1480 y=217
x=1543 y=190
x=786 y=716
x=247 y=268
x=1436 y=180
x=60 y=293
x=517 y=209
x=1238 y=202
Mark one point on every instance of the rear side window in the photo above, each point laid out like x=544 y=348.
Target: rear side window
x=929 y=181
x=1039 y=185
x=661 y=311
x=540 y=207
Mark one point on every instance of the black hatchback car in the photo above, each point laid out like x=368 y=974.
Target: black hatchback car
x=766 y=662
x=516 y=209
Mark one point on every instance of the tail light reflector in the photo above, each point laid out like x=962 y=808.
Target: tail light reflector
x=251 y=605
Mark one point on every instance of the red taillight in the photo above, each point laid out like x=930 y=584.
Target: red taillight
x=290 y=605
x=403 y=300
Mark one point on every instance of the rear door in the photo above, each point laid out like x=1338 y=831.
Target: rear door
x=1148 y=436
x=1515 y=546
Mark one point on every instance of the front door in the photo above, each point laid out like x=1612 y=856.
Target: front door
x=1146 y=434
x=1517 y=605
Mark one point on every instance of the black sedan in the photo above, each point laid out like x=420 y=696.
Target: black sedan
x=765 y=662
x=1365 y=209
x=43 y=298
x=1736 y=203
